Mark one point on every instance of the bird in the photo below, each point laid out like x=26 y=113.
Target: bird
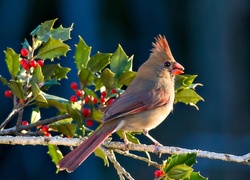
x=145 y=103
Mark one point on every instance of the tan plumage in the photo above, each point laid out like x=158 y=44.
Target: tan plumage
x=144 y=105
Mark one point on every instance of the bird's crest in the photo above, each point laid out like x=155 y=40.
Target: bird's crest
x=161 y=45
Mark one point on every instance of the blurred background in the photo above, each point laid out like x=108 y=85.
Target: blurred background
x=210 y=38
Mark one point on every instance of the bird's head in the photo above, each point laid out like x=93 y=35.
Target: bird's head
x=162 y=58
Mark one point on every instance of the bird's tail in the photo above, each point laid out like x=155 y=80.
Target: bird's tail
x=76 y=157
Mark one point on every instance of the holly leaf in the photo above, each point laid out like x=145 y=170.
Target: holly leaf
x=86 y=77
x=62 y=33
x=4 y=81
x=37 y=77
x=53 y=48
x=98 y=83
x=179 y=172
x=119 y=62
x=75 y=114
x=53 y=101
x=101 y=154
x=129 y=136
x=35 y=115
x=37 y=93
x=196 y=176
x=12 y=61
x=82 y=54
x=177 y=159
x=98 y=62
x=54 y=71
x=17 y=89
x=126 y=78
x=55 y=153
x=96 y=114
x=66 y=128
x=107 y=78
x=43 y=31
x=188 y=96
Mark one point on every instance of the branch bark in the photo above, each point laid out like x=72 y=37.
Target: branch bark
x=44 y=141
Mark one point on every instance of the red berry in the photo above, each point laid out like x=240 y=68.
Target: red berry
x=21 y=101
x=24 y=52
x=102 y=99
x=25 y=65
x=45 y=129
x=23 y=61
x=86 y=100
x=114 y=91
x=104 y=93
x=79 y=93
x=159 y=173
x=74 y=86
x=8 y=93
x=73 y=98
x=86 y=112
x=40 y=62
x=110 y=101
x=95 y=101
x=89 y=123
x=91 y=98
x=47 y=134
x=33 y=63
x=25 y=123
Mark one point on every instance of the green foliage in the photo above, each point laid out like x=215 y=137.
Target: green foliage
x=179 y=167
x=12 y=60
x=185 y=90
x=97 y=73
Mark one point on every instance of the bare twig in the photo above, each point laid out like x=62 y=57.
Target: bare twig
x=120 y=170
x=244 y=159
x=125 y=153
x=10 y=116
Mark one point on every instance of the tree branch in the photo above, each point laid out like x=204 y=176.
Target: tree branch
x=14 y=130
x=24 y=140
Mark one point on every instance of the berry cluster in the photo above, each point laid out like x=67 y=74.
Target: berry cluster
x=27 y=63
x=104 y=100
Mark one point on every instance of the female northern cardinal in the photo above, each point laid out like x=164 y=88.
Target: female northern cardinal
x=144 y=105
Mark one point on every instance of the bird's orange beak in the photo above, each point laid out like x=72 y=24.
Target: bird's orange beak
x=177 y=69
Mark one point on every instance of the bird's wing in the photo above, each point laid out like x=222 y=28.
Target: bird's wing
x=128 y=104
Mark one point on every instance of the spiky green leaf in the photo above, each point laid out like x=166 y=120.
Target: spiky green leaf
x=17 y=89
x=53 y=48
x=12 y=61
x=98 y=62
x=82 y=54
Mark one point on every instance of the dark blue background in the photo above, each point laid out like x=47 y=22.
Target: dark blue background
x=210 y=38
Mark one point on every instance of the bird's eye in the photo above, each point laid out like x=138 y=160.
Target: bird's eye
x=167 y=64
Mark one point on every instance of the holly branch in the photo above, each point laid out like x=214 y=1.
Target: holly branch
x=102 y=78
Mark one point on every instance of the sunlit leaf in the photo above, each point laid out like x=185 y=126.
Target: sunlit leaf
x=126 y=78
x=12 y=61
x=107 y=78
x=35 y=115
x=98 y=62
x=120 y=62
x=54 y=153
x=53 y=48
x=82 y=54
x=188 y=96
x=101 y=154
x=178 y=172
x=37 y=76
x=37 y=93
x=17 y=89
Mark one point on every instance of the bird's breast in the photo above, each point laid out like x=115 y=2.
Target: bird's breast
x=146 y=120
